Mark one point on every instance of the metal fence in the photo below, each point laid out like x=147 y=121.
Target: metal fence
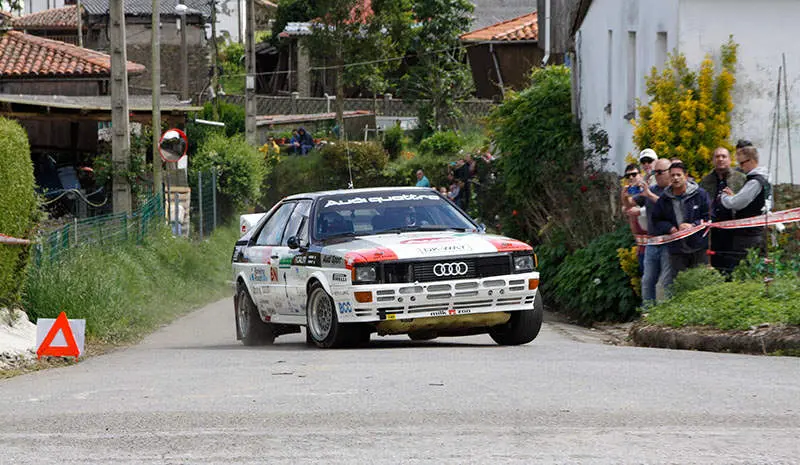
x=294 y=105
x=100 y=230
x=204 y=207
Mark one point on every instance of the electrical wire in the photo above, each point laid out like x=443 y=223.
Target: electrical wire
x=80 y=195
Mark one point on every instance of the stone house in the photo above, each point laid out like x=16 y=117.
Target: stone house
x=617 y=43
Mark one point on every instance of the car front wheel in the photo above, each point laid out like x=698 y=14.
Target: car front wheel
x=522 y=327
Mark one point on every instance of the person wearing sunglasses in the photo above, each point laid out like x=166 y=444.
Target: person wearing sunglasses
x=647 y=158
x=753 y=199
x=715 y=182
x=633 y=187
x=656 y=276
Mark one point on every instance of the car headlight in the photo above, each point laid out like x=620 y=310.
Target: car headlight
x=523 y=263
x=365 y=274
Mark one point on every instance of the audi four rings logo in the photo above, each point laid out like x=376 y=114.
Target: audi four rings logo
x=450 y=269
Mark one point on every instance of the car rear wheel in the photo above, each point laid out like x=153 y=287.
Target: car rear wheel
x=522 y=327
x=252 y=329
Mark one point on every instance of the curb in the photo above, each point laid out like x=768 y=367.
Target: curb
x=761 y=340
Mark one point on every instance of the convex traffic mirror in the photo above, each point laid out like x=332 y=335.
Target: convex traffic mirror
x=173 y=145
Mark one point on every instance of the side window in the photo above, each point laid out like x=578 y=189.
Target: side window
x=272 y=232
x=299 y=219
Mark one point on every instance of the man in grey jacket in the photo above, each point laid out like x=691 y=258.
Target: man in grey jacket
x=752 y=200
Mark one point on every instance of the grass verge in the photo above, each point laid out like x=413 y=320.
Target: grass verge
x=732 y=305
x=125 y=291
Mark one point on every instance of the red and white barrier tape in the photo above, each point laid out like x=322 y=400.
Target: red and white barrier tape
x=786 y=216
x=13 y=240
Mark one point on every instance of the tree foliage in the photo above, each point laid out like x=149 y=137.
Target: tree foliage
x=19 y=211
x=689 y=112
x=439 y=76
x=552 y=186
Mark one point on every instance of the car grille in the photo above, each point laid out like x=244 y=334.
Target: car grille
x=423 y=271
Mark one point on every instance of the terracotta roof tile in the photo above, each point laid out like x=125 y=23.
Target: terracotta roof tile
x=523 y=27
x=5 y=14
x=55 y=18
x=24 y=55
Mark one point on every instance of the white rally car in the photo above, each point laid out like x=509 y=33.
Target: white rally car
x=352 y=262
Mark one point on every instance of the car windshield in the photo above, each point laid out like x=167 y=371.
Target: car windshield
x=368 y=213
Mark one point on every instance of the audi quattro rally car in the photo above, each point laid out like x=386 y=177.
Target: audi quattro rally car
x=348 y=263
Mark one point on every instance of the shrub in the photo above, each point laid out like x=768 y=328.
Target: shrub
x=19 y=212
x=629 y=262
x=732 y=306
x=549 y=178
x=393 y=141
x=590 y=283
x=696 y=278
x=756 y=267
x=442 y=143
x=240 y=168
x=325 y=169
x=688 y=113
x=229 y=113
x=403 y=172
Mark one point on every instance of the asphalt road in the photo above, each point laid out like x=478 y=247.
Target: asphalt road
x=191 y=394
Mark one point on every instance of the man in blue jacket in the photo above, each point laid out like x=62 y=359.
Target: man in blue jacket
x=683 y=205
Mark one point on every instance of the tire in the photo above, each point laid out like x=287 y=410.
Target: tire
x=252 y=329
x=322 y=322
x=523 y=327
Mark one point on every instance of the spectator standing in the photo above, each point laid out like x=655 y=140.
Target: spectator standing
x=715 y=182
x=683 y=205
x=647 y=159
x=657 y=272
x=422 y=180
x=752 y=200
x=628 y=195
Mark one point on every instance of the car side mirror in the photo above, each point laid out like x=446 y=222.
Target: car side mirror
x=293 y=242
x=481 y=228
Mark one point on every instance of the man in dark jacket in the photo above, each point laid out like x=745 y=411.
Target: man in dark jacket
x=715 y=182
x=754 y=199
x=683 y=205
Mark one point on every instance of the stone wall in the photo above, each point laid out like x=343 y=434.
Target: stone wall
x=170 y=68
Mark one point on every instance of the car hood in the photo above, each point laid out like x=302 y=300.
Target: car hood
x=423 y=245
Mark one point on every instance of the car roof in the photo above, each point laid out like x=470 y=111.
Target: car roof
x=365 y=190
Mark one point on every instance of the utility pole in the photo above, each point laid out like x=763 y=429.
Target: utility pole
x=239 y=14
x=155 y=70
x=121 y=136
x=80 y=24
x=184 y=56
x=214 y=52
x=250 y=79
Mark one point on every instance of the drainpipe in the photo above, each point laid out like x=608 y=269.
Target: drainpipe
x=493 y=53
x=547 y=33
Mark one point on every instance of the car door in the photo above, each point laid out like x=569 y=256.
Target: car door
x=294 y=262
x=265 y=255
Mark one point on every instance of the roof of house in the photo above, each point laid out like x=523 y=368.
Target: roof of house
x=360 y=13
x=5 y=14
x=25 y=55
x=97 y=102
x=56 y=18
x=523 y=27
x=488 y=12
x=305 y=118
x=580 y=15
x=145 y=7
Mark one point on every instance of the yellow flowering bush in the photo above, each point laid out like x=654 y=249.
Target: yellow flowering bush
x=629 y=262
x=689 y=112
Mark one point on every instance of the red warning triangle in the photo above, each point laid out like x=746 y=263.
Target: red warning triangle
x=69 y=350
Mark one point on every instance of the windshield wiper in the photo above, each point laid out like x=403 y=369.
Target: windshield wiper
x=424 y=227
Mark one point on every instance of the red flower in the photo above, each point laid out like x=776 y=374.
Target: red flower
x=592 y=177
x=513 y=213
x=584 y=188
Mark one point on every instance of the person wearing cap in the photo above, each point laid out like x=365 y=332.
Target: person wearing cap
x=721 y=240
x=647 y=158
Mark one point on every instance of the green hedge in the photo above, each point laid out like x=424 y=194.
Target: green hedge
x=18 y=207
x=590 y=283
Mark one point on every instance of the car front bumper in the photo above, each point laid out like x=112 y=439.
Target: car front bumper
x=438 y=299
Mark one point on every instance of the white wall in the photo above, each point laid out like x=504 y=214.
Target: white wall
x=35 y=6
x=763 y=30
x=644 y=17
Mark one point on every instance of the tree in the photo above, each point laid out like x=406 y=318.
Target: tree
x=292 y=11
x=439 y=76
x=353 y=37
x=689 y=112
x=11 y=5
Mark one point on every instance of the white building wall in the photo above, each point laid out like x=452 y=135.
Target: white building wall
x=763 y=29
x=604 y=72
x=35 y=6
